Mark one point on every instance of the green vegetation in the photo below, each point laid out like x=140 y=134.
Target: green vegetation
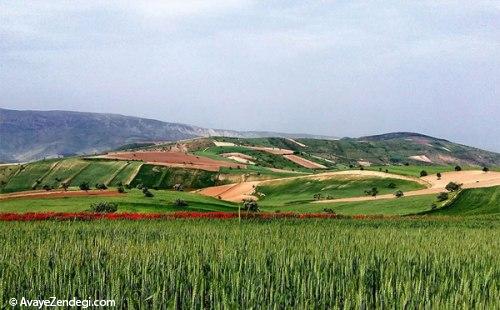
x=261 y=158
x=302 y=191
x=73 y=171
x=161 y=177
x=477 y=201
x=194 y=264
x=132 y=201
x=414 y=170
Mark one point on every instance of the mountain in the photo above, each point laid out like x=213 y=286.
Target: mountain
x=31 y=135
x=401 y=146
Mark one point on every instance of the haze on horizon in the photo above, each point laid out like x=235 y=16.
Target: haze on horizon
x=340 y=68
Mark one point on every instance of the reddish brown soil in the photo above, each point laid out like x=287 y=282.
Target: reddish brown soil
x=304 y=162
x=174 y=159
x=57 y=194
x=271 y=150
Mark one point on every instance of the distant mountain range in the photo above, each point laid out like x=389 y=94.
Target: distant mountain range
x=32 y=135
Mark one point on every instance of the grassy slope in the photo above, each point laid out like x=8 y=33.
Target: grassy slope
x=414 y=170
x=261 y=158
x=166 y=177
x=401 y=206
x=478 y=201
x=133 y=201
x=300 y=191
x=27 y=177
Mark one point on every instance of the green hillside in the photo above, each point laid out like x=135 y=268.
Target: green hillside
x=73 y=171
x=297 y=192
x=477 y=201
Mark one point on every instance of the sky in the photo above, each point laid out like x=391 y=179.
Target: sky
x=340 y=68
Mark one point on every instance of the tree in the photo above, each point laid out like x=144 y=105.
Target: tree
x=486 y=169
x=146 y=192
x=452 y=186
x=65 y=185
x=372 y=192
x=101 y=186
x=84 y=186
x=318 y=196
x=399 y=194
x=458 y=168
x=180 y=203
x=423 y=173
x=442 y=196
x=438 y=175
x=250 y=205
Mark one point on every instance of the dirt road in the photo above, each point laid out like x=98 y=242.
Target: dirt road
x=470 y=179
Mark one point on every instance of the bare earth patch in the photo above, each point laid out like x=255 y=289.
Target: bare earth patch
x=304 y=162
x=173 y=159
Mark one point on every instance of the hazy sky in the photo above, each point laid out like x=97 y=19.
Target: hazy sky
x=342 y=68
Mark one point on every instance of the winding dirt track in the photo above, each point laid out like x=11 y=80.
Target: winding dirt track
x=470 y=179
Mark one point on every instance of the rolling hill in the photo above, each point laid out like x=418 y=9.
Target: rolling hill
x=33 y=135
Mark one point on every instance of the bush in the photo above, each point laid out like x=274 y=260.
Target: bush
x=121 y=190
x=438 y=175
x=47 y=187
x=442 y=196
x=372 y=192
x=452 y=186
x=180 y=203
x=101 y=186
x=104 y=207
x=84 y=186
x=423 y=173
x=458 y=168
x=434 y=206
x=486 y=169
x=399 y=194
x=329 y=211
x=146 y=192
x=392 y=185
x=250 y=206
x=318 y=196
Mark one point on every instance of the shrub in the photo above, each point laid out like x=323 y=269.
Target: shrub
x=146 y=192
x=458 y=168
x=329 y=211
x=250 y=205
x=180 y=203
x=434 y=206
x=121 y=190
x=438 y=175
x=486 y=169
x=392 y=185
x=452 y=186
x=47 y=187
x=423 y=173
x=317 y=196
x=399 y=194
x=372 y=192
x=104 y=207
x=442 y=196
x=101 y=186
x=140 y=186
x=178 y=187
x=84 y=186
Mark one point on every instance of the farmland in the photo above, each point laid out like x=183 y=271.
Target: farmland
x=283 y=264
